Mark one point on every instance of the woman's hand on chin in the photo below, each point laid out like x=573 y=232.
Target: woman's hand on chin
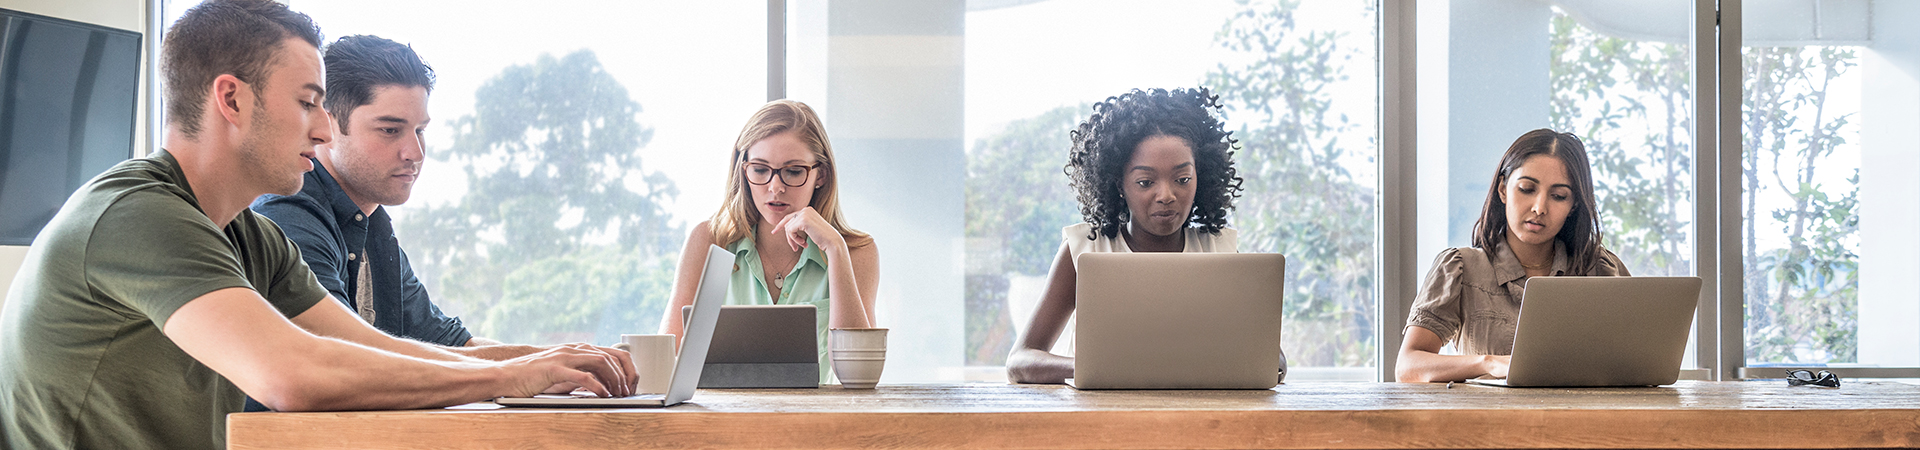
x=807 y=223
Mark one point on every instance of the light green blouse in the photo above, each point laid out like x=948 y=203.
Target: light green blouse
x=805 y=285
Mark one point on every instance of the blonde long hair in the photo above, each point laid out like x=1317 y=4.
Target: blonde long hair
x=738 y=217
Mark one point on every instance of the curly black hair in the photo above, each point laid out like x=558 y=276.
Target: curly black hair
x=1105 y=142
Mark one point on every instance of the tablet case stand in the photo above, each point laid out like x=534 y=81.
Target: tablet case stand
x=763 y=346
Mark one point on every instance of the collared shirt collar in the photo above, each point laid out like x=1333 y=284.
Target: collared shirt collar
x=1507 y=268
x=322 y=185
x=744 y=247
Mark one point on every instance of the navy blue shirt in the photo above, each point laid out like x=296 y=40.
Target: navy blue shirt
x=335 y=238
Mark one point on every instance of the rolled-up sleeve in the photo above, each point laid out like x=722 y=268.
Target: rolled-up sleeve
x=1437 y=307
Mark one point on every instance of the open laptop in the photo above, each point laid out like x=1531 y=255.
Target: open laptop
x=1601 y=331
x=763 y=346
x=693 y=347
x=1178 y=320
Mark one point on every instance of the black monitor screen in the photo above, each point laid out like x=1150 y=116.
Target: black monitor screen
x=68 y=93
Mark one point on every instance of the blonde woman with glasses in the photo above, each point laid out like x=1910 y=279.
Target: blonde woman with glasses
x=781 y=219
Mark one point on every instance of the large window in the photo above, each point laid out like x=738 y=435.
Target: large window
x=571 y=151
x=1490 y=71
x=568 y=153
x=1300 y=87
x=1827 y=179
x=1494 y=70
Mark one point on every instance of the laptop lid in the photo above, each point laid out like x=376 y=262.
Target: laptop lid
x=710 y=294
x=714 y=280
x=1178 y=320
x=1602 y=331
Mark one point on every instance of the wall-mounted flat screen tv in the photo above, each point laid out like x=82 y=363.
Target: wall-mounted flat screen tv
x=68 y=94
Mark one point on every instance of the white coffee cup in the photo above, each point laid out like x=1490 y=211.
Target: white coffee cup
x=653 y=358
x=859 y=354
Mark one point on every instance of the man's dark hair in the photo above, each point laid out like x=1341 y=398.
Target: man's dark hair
x=358 y=64
x=216 y=37
x=1105 y=142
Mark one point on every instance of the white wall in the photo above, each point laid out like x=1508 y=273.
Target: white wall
x=122 y=14
x=885 y=77
x=1889 y=156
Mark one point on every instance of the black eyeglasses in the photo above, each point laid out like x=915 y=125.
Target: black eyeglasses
x=1803 y=377
x=793 y=176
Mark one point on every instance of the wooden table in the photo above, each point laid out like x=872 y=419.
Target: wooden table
x=1752 y=414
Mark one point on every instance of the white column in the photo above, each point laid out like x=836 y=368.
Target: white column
x=893 y=109
x=1889 y=190
x=1498 y=82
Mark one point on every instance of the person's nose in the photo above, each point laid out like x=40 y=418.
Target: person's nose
x=414 y=150
x=317 y=130
x=1163 y=193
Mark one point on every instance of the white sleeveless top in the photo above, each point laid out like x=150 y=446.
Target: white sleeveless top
x=1077 y=244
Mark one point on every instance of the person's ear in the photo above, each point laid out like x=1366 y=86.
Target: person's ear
x=229 y=94
x=1502 y=189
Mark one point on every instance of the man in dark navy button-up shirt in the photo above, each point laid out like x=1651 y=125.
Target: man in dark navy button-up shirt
x=377 y=97
x=338 y=240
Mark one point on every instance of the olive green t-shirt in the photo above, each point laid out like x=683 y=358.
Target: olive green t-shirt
x=83 y=362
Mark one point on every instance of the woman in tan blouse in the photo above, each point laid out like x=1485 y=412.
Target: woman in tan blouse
x=1539 y=220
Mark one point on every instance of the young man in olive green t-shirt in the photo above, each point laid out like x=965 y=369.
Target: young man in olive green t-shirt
x=154 y=298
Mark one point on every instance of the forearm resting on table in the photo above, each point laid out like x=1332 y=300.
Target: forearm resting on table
x=289 y=368
x=341 y=375
x=1031 y=365
x=495 y=352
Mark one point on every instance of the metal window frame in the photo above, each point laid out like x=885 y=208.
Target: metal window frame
x=1396 y=263
x=1710 y=232
x=156 y=110
x=776 y=49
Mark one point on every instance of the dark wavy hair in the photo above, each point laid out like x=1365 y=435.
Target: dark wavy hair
x=1581 y=234
x=1105 y=142
x=358 y=64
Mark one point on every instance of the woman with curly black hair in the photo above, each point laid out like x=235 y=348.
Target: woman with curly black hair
x=1154 y=173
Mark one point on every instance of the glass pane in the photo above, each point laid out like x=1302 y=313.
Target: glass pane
x=568 y=152
x=1828 y=166
x=1491 y=71
x=1300 y=87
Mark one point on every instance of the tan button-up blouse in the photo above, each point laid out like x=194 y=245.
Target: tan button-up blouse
x=1472 y=297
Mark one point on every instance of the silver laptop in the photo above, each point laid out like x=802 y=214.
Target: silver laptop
x=1178 y=320
x=1601 y=331
x=714 y=279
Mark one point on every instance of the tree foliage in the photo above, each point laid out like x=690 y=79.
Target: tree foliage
x=1632 y=103
x=1300 y=200
x=1802 y=298
x=560 y=235
x=1017 y=201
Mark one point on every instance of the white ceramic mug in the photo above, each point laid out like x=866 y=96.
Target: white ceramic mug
x=653 y=359
x=859 y=354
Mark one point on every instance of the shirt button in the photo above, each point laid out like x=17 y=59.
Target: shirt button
x=351 y=256
x=357 y=217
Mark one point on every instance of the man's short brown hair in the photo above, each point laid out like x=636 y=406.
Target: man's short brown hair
x=216 y=37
